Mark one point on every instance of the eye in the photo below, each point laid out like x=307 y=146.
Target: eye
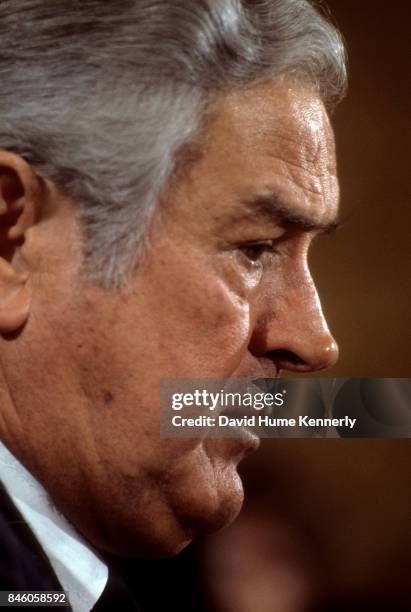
x=255 y=250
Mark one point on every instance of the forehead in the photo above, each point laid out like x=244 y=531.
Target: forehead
x=271 y=138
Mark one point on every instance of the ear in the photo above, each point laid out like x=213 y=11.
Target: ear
x=20 y=191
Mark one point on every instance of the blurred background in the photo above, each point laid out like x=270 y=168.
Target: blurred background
x=364 y=271
x=326 y=523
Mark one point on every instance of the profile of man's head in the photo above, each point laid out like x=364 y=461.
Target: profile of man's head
x=165 y=167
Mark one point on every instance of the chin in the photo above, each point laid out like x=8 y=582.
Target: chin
x=198 y=508
x=167 y=518
x=158 y=514
x=207 y=500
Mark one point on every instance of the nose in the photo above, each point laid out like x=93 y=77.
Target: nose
x=291 y=331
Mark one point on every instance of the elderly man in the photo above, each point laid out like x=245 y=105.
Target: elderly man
x=165 y=166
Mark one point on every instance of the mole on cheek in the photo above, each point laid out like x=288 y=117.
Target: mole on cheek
x=107 y=397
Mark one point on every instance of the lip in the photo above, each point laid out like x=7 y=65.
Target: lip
x=251 y=442
x=245 y=436
x=241 y=447
x=241 y=442
x=238 y=412
x=242 y=436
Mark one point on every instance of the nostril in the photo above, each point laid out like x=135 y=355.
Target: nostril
x=287 y=360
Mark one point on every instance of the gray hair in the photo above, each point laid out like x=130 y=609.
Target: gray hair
x=100 y=96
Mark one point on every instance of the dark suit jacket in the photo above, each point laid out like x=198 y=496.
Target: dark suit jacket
x=23 y=564
x=25 y=567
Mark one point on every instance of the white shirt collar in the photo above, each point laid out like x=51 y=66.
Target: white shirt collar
x=80 y=572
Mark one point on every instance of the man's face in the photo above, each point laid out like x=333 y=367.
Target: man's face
x=223 y=291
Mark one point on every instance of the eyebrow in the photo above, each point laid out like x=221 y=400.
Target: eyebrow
x=274 y=209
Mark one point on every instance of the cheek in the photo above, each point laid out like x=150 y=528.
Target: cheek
x=217 y=327
x=225 y=313
x=235 y=339
x=196 y=322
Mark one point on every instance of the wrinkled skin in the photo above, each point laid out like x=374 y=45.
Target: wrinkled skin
x=81 y=365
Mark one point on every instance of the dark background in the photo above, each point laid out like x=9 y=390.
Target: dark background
x=345 y=503
x=364 y=272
